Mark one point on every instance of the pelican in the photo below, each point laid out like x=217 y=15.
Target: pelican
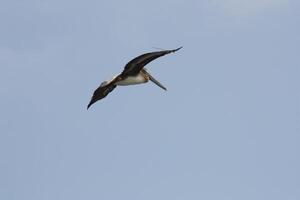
x=133 y=73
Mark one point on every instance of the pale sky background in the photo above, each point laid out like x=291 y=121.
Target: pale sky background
x=227 y=128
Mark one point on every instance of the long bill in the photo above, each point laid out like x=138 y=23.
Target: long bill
x=156 y=81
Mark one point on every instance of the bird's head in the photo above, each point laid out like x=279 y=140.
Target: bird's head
x=104 y=83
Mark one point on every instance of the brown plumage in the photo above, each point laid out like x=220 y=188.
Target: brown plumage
x=133 y=73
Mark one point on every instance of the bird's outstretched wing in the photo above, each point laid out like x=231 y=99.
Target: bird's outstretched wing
x=101 y=92
x=134 y=66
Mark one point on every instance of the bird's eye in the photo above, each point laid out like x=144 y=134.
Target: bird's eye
x=103 y=83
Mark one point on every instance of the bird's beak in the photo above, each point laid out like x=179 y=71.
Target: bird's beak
x=156 y=81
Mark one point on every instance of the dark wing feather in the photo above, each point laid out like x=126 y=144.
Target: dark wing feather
x=134 y=66
x=101 y=92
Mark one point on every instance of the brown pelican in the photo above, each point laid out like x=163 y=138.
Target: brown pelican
x=133 y=73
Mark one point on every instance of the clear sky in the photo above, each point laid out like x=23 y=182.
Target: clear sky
x=227 y=128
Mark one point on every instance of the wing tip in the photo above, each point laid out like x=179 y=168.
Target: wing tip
x=174 y=50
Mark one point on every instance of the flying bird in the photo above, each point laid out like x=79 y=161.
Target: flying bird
x=133 y=73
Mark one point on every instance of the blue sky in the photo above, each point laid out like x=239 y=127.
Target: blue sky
x=227 y=128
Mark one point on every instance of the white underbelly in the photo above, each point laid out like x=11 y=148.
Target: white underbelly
x=132 y=80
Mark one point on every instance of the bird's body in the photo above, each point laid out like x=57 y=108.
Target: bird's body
x=133 y=73
x=133 y=80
